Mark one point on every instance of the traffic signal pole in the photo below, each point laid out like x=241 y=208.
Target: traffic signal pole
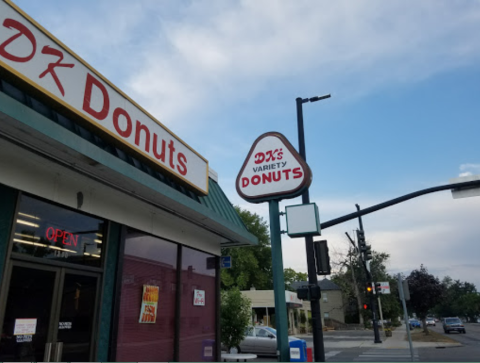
x=318 y=348
x=370 y=281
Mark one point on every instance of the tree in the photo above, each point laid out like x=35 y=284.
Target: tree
x=235 y=315
x=425 y=291
x=291 y=275
x=251 y=266
x=459 y=299
x=351 y=277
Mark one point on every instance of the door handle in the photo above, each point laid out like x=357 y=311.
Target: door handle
x=58 y=351
x=48 y=352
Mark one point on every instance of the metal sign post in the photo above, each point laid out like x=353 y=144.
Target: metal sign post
x=405 y=315
x=272 y=171
x=279 y=284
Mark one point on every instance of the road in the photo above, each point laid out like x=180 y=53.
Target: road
x=469 y=352
x=354 y=346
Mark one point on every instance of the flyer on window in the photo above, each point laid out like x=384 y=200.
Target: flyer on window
x=148 y=312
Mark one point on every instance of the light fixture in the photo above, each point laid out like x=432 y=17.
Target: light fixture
x=30 y=224
x=26 y=235
x=28 y=215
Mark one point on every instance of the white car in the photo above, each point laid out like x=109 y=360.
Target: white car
x=260 y=340
x=430 y=321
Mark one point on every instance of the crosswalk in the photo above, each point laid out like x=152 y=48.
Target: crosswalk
x=387 y=355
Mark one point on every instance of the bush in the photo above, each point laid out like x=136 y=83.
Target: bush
x=235 y=316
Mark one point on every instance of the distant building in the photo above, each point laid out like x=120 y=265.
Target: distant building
x=263 y=306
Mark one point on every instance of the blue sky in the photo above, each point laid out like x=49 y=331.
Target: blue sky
x=404 y=113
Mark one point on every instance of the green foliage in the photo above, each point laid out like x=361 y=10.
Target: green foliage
x=344 y=278
x=251 y=266
x=291 y=275
x=425 y=292
x=303 y=317
x=235 y=316
x=459 y=299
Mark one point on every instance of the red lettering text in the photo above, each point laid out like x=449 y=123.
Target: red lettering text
x=256 y=180
x=116 y=114
x=51 y=67
x=297 y=173
x=138 y=129
x=277 y=176
x=286 y=172
x=50 y=234
x=259 y=158
x=103 y=113
x=160 y=156
x=22 y=30
x=171 y=148
x=182 y=160
x=266 y=178
x=245 y=182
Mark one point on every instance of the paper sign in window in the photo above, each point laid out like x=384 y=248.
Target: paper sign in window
x=148 y=312
x=199 y=297
x=25 y=326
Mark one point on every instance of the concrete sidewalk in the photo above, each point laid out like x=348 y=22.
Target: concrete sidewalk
x=398 y=340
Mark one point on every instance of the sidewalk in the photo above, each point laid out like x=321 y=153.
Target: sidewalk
x=399 y=340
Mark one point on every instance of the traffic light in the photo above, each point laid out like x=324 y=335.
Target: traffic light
x=302 y=293
x=322 y=258
x=366 y=306
x=361 y=240
x=369 y=288
x=378 y=288
x=368 y=253
x=309 y=292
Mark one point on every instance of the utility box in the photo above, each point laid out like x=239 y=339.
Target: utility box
x=298 y=350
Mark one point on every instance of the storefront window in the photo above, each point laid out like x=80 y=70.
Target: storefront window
x=145 y=329
x=48 y=231
x=197 y=323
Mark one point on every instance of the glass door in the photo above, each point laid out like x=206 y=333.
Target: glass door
x=49 y=314
x=28 y=313
x=77 y=316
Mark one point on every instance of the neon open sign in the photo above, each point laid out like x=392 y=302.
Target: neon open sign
x=60 y=236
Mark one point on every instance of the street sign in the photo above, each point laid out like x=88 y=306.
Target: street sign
x=302 y=220
x=385 y=287
x=273 y=170
x=226 y=262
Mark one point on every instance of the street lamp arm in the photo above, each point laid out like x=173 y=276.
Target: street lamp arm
x=359 y=213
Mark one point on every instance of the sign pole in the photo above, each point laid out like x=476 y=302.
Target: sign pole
x=381 y=312
x=405 y=314
x=283 y=349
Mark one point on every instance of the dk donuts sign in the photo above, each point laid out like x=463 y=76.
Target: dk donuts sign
x=35 y=56
x=272 y=170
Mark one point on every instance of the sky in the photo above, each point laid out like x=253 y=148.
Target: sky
x=404 y=113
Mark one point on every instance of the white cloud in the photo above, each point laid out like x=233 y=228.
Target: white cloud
x=205 y=58
x=433 y=230
x=469 y=169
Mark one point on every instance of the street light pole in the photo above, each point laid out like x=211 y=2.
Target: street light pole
x=318 y=348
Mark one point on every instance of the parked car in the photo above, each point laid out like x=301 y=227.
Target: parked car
x=414 y=323
x=453 y=324
x=430 y=321
x=261 y=340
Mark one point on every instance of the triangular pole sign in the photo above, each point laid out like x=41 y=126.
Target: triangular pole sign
x=273 y=169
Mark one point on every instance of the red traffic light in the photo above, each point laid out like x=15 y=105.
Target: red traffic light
x=366 y=306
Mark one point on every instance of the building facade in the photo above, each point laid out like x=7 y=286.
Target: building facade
x=110 y=225
x=331 y=307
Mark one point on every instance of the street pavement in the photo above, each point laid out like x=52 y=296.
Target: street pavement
x=358 y=346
